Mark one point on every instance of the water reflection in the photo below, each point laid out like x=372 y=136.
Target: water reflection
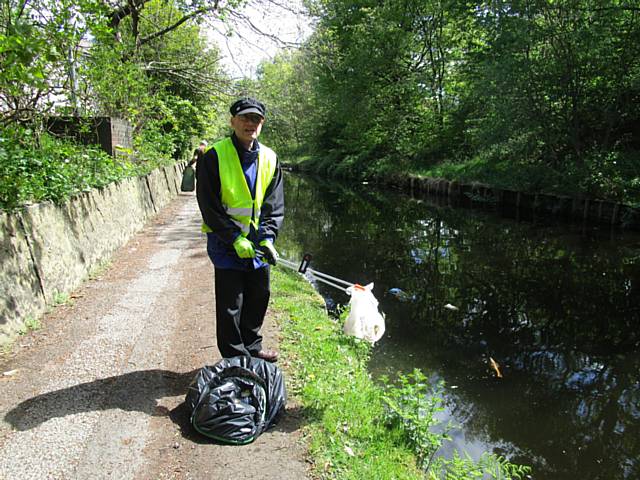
x=557 y=307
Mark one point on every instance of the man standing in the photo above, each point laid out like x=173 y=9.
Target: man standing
x=198 y=153
x=241 y=199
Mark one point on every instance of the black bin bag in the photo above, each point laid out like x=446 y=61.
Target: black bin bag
x=236 y=399
x=188 y=183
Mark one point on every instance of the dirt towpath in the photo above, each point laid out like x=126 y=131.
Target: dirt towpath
x=98 y=391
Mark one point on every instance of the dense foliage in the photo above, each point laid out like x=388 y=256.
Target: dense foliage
x=534 y=95
x=41 y=167
x=147 y=62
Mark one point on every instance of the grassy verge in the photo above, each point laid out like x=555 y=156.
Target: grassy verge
x=328 y=374
x=358 y=428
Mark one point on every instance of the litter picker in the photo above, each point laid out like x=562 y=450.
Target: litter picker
x=319 y=276
x=364 y=320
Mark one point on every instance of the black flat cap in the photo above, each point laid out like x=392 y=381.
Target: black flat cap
x=248 y=105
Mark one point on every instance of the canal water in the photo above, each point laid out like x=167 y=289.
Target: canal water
x=556 y=306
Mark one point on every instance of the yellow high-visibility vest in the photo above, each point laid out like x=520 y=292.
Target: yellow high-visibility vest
x=236 y=197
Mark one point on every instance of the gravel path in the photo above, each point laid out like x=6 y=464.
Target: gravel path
x=98 y=391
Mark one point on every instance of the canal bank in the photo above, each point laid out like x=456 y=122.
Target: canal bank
x=327 y=372
x=527 y=204
x=359 y=427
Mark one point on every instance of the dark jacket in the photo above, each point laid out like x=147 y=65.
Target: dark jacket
x=197 y=156
x=224 y=231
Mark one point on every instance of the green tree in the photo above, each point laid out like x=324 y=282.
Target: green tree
x=38 y=41
x=552 y=76
x=286 y=86
x=386 y=73
x=532 y=95
x=155 y=70
x=167 y=86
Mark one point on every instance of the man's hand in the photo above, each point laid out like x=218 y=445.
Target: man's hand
x=269 y=252
x=244 y=247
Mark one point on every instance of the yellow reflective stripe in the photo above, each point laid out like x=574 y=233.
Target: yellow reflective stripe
x=245 y=229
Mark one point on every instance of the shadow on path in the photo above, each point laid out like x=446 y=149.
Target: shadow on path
x=136 y=391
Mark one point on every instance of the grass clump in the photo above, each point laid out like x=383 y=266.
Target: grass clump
x=357 y=427
x=99 y=269
x=16 y=328
x=31 y=324
x=61 y=298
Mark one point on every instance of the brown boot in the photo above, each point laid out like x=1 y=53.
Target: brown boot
x=268 y=355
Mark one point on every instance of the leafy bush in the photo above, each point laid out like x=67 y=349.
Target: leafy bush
x=36 y=167
x=613 y=175
x=411 y=406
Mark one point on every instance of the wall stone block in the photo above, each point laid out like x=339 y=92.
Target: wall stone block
x=21 y=295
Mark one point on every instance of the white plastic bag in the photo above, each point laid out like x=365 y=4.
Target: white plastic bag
x=364 y=320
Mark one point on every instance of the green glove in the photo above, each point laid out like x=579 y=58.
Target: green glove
x=269 y=252
x=244 y=247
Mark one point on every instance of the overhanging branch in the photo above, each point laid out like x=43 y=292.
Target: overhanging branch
x=195 y=13
x=123 y=12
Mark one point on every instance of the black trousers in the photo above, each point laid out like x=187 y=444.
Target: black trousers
x=241 y=303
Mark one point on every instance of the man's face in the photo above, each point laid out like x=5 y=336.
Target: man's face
x=247 y=126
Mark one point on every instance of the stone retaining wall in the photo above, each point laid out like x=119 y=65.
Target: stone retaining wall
x=47 y=249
